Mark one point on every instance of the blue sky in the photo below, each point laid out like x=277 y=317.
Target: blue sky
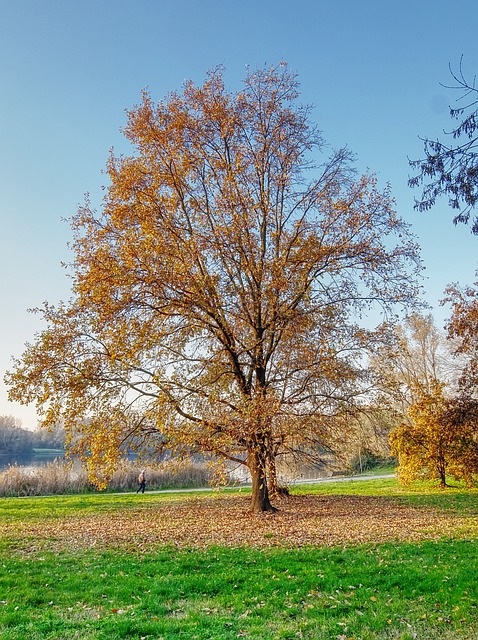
x=68 y=70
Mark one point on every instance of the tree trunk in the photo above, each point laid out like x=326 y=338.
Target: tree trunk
x=272 y=474
x=274 y=489
x=442 y=472
x=260 y=493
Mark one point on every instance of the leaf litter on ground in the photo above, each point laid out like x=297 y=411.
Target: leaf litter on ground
x=303 y=520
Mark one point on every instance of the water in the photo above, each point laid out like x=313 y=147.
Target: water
x=33 y=460
x=286 y=474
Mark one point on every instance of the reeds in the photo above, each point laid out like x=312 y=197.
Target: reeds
x=60 y=477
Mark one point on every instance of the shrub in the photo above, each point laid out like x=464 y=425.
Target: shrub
x=367 y=460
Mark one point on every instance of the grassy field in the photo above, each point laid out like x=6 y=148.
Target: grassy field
x=361 y=560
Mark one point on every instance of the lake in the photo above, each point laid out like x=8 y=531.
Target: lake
x=286 y=473
x=39 y=459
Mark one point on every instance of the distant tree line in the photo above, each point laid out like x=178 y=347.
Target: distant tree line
x=16 y=440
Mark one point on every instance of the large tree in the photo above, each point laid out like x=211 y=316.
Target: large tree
x=217 y=295
x=450 y=166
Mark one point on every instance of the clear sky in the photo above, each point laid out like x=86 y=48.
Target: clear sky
x=68 y=70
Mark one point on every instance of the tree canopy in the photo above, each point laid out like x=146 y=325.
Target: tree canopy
x=451 y=168
x=217 y=296
x=14 y=439
x=412 y=363
x=463 y=328
x=439 y=439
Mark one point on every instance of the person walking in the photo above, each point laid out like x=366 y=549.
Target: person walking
x=141 y=482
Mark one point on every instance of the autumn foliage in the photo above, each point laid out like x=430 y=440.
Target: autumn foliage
x=439 y=441
x=217 y=294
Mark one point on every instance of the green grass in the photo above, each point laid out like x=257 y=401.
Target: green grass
x=364 y=592
x=456 y=498
x=420 y=494
x=425 y=590
x=381 y=469
x=51 y=507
